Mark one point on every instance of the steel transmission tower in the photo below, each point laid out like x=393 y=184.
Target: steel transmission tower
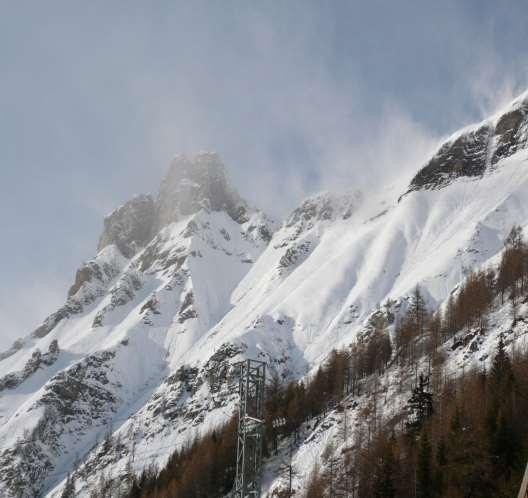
x=523 y=492
x=250 y=429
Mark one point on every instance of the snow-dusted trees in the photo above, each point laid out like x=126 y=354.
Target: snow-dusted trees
x=378 y=347
x=420 y=404
x=417 y=312
x=367 y=356
x=473 y=300
x=470 y=305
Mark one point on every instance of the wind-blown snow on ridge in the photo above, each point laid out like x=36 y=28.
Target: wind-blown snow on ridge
x=476 y=149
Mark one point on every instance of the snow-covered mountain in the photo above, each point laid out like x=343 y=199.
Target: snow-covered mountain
x=189 y=282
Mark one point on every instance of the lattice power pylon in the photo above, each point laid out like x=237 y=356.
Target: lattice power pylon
x=523 y=492
x=250 y=429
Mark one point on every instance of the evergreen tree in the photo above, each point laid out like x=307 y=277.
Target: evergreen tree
x=384 y=473
x=420 y=405
x=450 y=317
x=502 y=434
x=514 y=264
x=501 y=369
x=505 y=445
x=424 y=473
x=418 y=311
x=441 y=462
x=379 y=348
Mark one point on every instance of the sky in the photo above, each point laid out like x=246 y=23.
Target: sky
x=298 y=96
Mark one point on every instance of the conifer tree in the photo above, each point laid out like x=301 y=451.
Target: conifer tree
x=418 y=311
x=384 y=486
x=424 y=473
x=501 y=376
x=502 y=435
x=505 y=444
x=450 y=317
x=420 y=404
x=441 y=462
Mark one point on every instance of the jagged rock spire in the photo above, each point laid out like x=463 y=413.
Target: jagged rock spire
x=195 y=183
x=191 y=184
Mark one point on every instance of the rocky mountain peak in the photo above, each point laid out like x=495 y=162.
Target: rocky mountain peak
x=194 y=183
x=191 y=184
x=477 y=148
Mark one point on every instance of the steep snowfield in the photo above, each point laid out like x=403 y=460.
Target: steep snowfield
x=153 y=324
x=352 y=265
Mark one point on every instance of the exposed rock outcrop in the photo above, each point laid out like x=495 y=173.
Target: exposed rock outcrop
x=465 y=156
x=511 y=132
x=197 y=183
x=91 y=282
x=130 y=226
x=191 y=184
x=472 y=152
x=37 y=360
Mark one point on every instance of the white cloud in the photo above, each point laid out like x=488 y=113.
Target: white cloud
x=493 y=87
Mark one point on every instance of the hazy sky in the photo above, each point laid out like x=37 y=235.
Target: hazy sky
x=96 y=97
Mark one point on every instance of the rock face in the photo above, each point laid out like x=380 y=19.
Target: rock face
x=191 y=184
x=37 y=360
x=465 y=156
x=91 y=282
x=473 y=152
x=511 y=132
x=197 y=183
x=324 y=207
x=130 y=226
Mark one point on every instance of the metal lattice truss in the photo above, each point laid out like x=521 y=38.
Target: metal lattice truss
x=523 y=492
x=250 y=428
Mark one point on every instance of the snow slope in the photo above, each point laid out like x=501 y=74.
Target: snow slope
x=190 y=282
